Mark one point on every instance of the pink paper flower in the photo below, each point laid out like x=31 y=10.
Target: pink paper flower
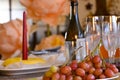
x=49 y=11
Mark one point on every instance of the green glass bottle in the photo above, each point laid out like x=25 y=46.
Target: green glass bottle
x=74 y=36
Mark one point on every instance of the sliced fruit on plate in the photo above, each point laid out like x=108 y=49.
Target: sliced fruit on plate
x=18 y=59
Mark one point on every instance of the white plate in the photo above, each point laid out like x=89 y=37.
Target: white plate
x=112 y=78
x=13 y=72
x=26 y=70
x=56 y=59
x=29 y=68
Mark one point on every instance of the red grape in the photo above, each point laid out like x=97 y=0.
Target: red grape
x=109 y=72
x=107 y=65
x=70 y=77
x=98 y=65
x=84 y=66
x=102 y=76
x=112 y=65
x=74 y=61
x=77 y=78
x=96 y=59
x=62 y=77
x=113 y=68
x=55 y=76
x=46 y=78
x=80 y=72
x=98 y=72
x=65 y=70
x=73 y=66
x=90 y=77
x=91 y=70
x=90 y=63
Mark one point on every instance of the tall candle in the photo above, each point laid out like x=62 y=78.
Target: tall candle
x=24 y=45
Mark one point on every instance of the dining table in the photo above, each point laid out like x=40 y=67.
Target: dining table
x=37 y=75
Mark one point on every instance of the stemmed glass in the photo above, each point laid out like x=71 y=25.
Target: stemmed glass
x=118 y=35
x=92 y=33
x=109 y=36
x=118 y=40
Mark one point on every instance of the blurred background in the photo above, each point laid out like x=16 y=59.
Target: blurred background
x=13 y=9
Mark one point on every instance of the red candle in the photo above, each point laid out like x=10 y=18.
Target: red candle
x=24 y=45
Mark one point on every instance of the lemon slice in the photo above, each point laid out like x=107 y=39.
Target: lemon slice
x=18 y=59
x=33 y=61
x=11 y=61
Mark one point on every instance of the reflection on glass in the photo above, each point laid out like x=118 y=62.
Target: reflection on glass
x=92 y=33
x=109 y=38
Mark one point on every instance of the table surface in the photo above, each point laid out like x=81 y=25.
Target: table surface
x=119 y=77
x=26 y=76
x=18 y=74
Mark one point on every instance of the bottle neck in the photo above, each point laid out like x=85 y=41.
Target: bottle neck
x=48 y=31
x=74 y=14
x=73 y=9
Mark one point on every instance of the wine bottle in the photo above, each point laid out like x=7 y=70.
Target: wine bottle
x=33 y=37
x=101 y=8
x=48 y=31
x=74 y=36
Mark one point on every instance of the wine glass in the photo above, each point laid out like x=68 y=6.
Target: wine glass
x=109 y=36
x=92 y=33
x=118 y=34
x=117 y=57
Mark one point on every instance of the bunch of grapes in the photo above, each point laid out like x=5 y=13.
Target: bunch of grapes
x=90 y=69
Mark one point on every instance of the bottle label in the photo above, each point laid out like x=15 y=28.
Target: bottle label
x=81 y=53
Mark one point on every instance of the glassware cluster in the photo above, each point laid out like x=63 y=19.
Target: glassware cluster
x=106 y=31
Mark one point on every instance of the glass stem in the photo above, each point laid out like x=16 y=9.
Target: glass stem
x=119 y=55
x=111 y=56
